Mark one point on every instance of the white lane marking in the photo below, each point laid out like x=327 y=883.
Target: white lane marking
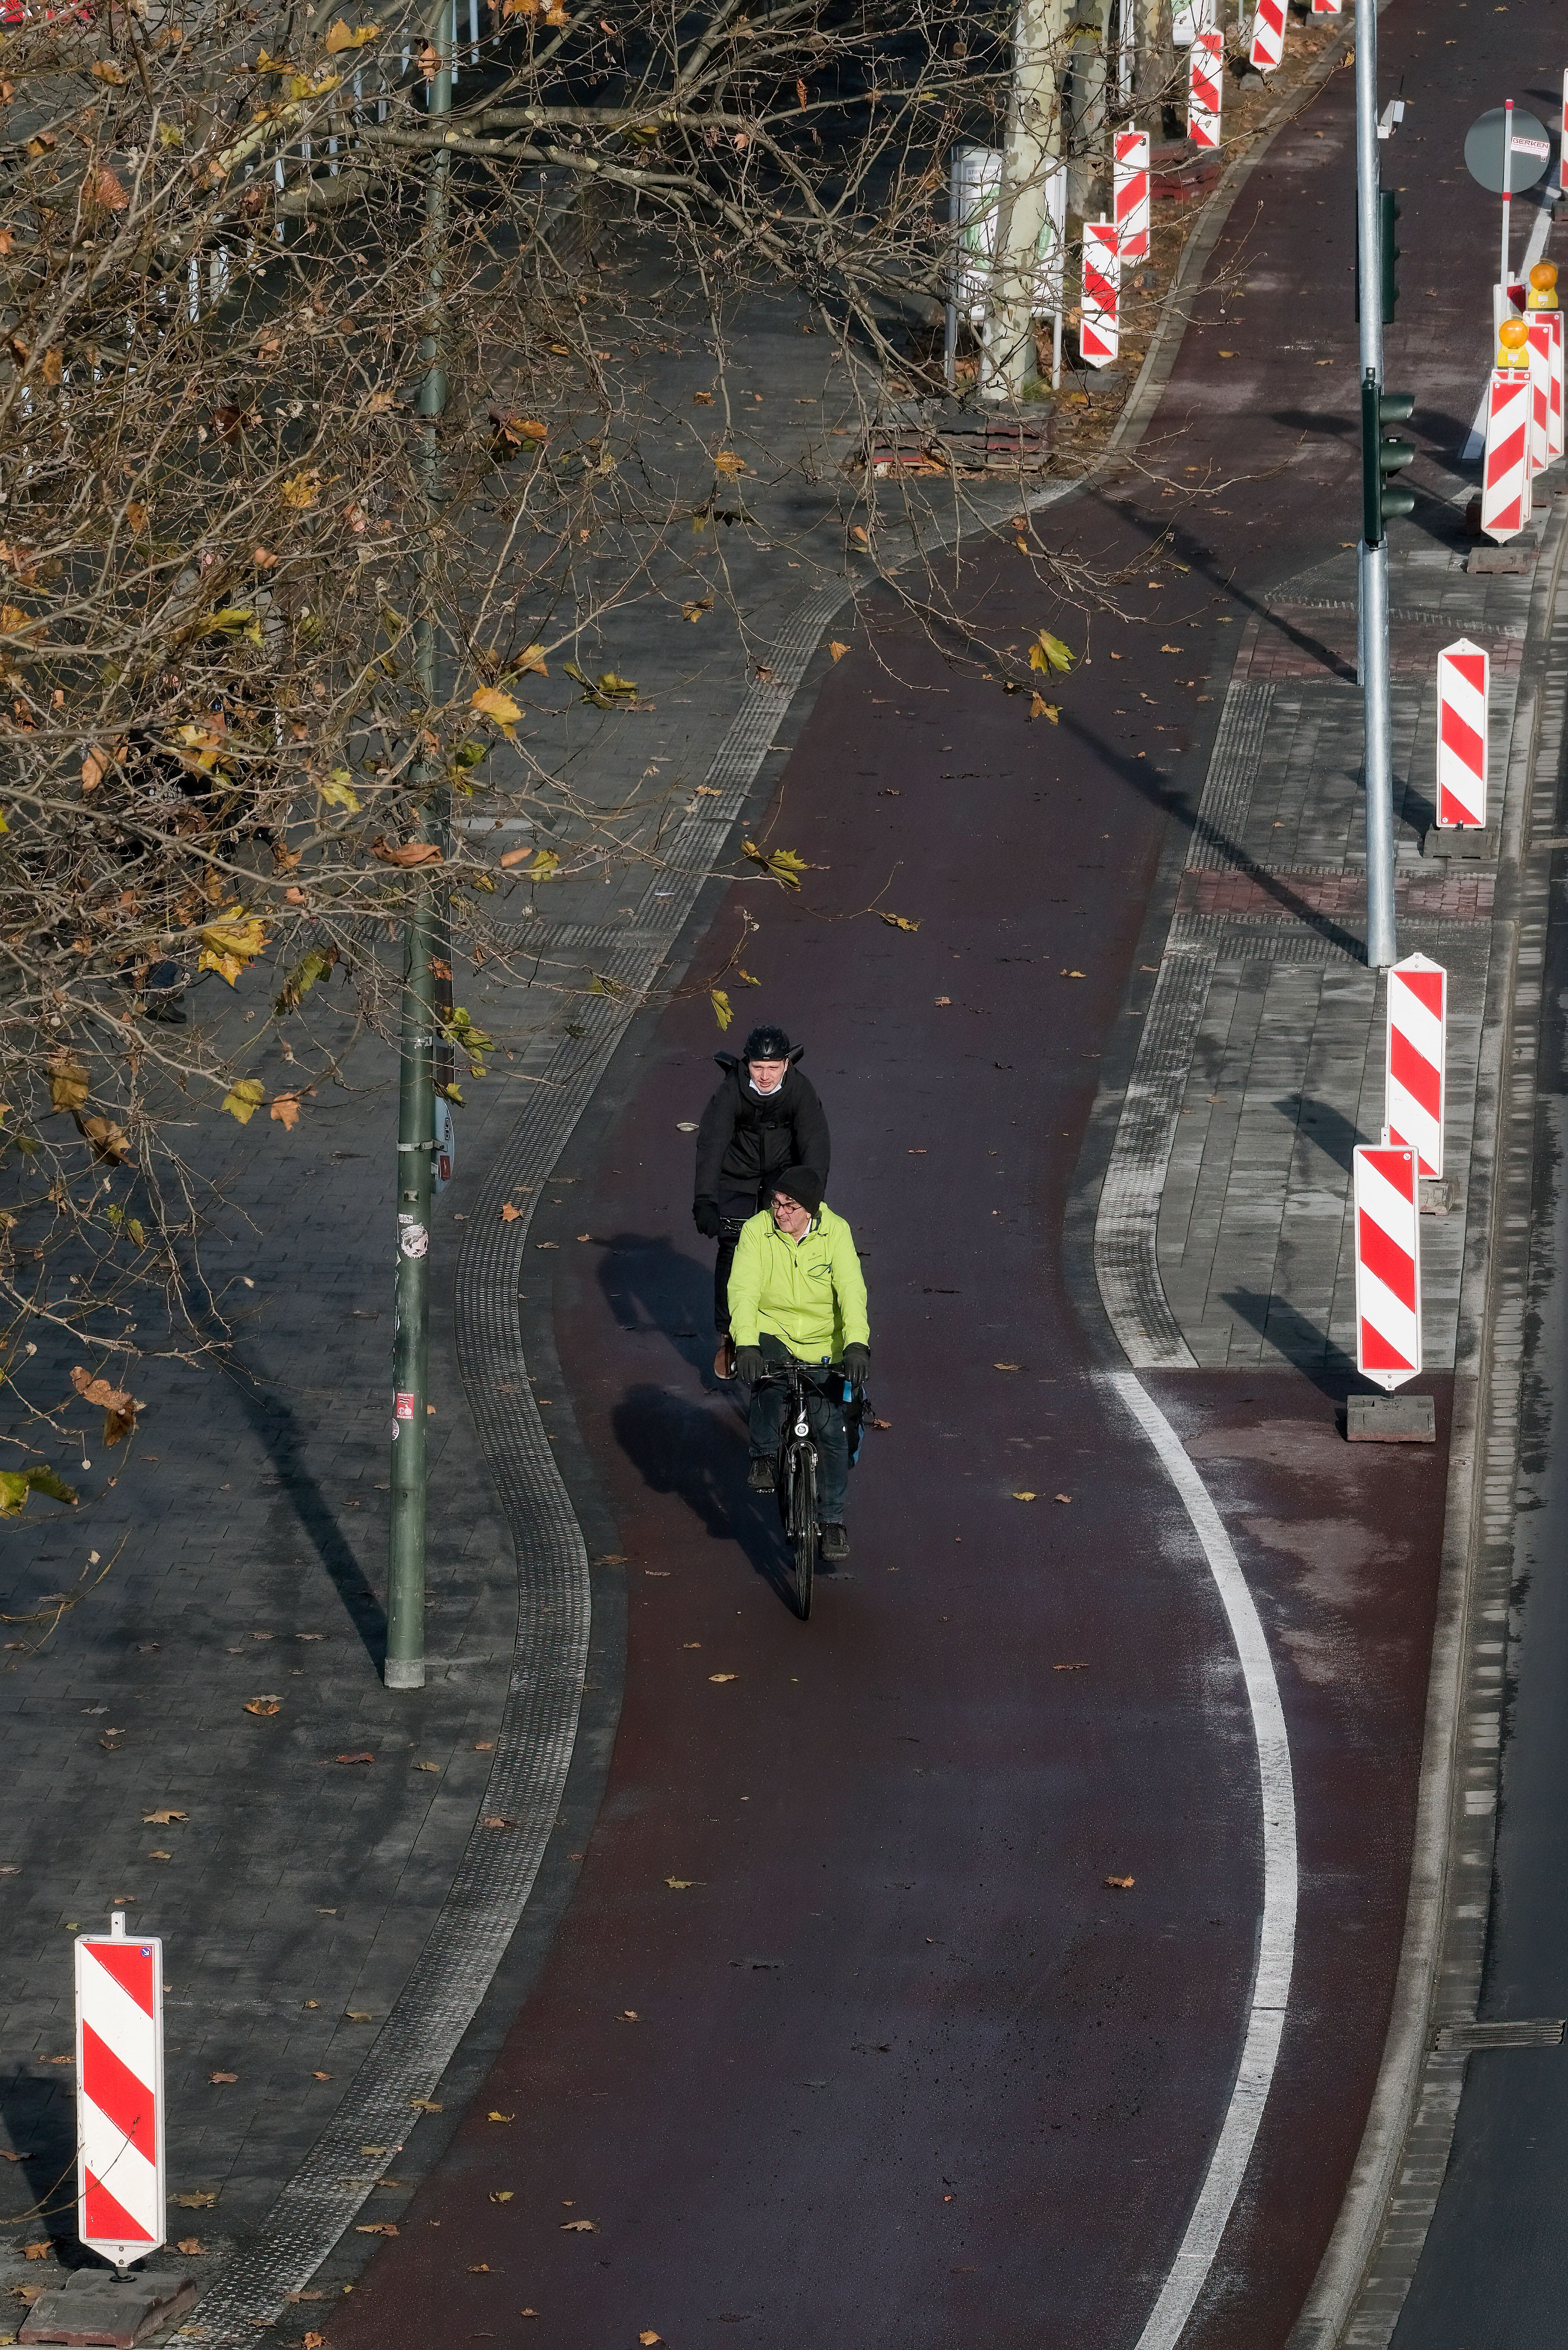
x=1277 y=1931
x=1532 y=252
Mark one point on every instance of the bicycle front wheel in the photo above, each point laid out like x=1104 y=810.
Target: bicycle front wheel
x=803 y=1525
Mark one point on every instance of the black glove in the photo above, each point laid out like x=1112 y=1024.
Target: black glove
x=857 y=1361
x=748 y=1364
x=706 y=1217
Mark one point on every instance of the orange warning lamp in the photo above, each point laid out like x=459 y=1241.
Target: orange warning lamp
x=1513 y=344
x=1543 y=294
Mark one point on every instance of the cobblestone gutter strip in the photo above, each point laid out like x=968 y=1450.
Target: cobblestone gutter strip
x=556 y=1082
x=1367 y=2271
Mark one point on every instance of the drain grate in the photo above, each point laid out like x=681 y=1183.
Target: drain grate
x=1533 y=2032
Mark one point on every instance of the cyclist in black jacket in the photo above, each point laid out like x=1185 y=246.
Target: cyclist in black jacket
x=764 y=1117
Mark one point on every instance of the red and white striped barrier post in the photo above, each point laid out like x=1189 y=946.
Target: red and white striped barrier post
x=1464 y=691
x=1205 y=86
x=1388 y=1263
x=1505 y=475
x=1326 y=7
x=1413 y=1093
x=1541 y=342
x=122 y=2208
x=1268 y=36
x=1099 y=321
x=1131 y=192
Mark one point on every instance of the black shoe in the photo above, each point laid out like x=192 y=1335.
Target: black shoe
x=762 y=1472
x=835 y=1544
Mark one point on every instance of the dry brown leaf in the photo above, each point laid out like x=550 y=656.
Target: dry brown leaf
x=191 y=2244
x=406 y=853
x=222 y=2076
x=424 y=2106
x=38 y=2251
x=515 y=857
x=1007 y=1367
x=201 y=2199
x=95 y=766
x=1061 y=1497
x=316 y=2342
x=354 y=1757
x=286 y=1109
x=579 y=2227
x=1079 y=1667
x=162 y=1819
x=501 y=2118
x=503 y=2194
x=836 y=649
x=702 y=400
x=720 y=1677
x=509 y=1214
x=1025 y=1497
x=376 y=2227
x=683 y=1884
x=264 y=1705
x=496 y=1820
x=1120 y=1884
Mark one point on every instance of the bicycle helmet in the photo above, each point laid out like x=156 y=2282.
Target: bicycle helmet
x=768 y=1043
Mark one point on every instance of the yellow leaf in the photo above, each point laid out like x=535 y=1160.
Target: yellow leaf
x=12 y=619
x=720 y=1677
x=342 y=36
x=491 y=702
x=1040 y=708
x=782 y=863
x=726 y=462
x=68 y=1085
x=104 y=71
x=339 y=793
x=900 y=923
x=499 y=2117
x=1048 y=653
x=110 y=1143
x=227 y=946
x=285 y=1111
x=300 y=490
x=836 y=649
x=532 y=657
x=681 y=1884
x=694 y=611
x=245 y=1099
x=722 y=1011
x=1024 y=1497
x=264 y=1705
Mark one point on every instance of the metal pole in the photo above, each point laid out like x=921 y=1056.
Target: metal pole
x=1507 y=186
x=1381 y=948
x=405 y=1665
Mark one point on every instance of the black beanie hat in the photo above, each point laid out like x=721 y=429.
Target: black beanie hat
x=804 y=1185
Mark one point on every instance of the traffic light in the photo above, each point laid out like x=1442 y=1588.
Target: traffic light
x=1383 y=453
x=1389 y=210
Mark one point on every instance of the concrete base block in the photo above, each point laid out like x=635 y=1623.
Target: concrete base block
x=93 y=2310
x=1468 y=845
x=1391 y=1419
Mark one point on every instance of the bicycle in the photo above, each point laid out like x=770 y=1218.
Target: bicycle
x=796 y=1483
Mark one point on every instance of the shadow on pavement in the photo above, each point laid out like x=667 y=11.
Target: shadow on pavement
x=1301 y=1342
x=685 y=1448
x=281 y=1435
x=650 y=1285
x=39 y=2118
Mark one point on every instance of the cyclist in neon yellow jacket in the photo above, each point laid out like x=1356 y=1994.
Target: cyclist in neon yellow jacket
x=796 y=1289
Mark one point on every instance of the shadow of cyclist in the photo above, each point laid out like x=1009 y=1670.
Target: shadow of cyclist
x=649 y=1287
x=697 y=1453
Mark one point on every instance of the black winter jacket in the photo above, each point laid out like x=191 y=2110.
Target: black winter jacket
x=743 y=1140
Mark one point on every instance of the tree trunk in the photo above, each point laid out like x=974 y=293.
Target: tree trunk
x=1030 y=151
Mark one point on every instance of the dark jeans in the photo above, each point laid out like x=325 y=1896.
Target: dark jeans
x=824 y=1417
x=734 y=1207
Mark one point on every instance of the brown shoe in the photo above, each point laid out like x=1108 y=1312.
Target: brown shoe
x=724 y=1360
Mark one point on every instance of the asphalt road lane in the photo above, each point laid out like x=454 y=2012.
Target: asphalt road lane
x=775 y=2144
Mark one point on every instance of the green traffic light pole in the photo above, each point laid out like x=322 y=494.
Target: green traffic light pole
x=423 y=933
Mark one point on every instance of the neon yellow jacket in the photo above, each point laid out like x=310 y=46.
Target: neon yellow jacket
x=811 y=1292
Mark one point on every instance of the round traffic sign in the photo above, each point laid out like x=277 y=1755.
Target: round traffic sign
x=1483 y=151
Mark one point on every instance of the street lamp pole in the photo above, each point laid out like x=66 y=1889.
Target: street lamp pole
x=1377 y=765
x=423 y=934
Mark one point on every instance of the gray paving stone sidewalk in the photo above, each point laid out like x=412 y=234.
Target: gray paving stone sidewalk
x=1225 y=1232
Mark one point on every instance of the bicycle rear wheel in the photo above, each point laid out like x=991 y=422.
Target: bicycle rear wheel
x=803 y=1525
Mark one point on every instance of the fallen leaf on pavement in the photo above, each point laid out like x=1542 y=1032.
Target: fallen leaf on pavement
x=683 y=1884
x=836 y=649
x=201 y=2199
x=1024 y=1497
x=321 y=2076
x=222 y=2076
x=944 y=999
x=720 y=1677
x=353 y=1758
x=479 y=2268
x=264 y=1705
x=358 y=2015
x=376 y=2227
x=504 y=2195
x=1072 y=974
x=1061 y=1497
x=191 y=2244
x=509 y=1214
x=424 y=2106
x=579 y=2227
x=496 y=1820
x=1176 y=648
x=1007 y=1367
x=1120 y=1884
x=426 y=1766
x=316 y=2342
x=162 y=1819
x=881 y=1423
x=38 y=2251
x=900 y=923
x=503 y=2118
x=648 y=2339
x=1040 y=708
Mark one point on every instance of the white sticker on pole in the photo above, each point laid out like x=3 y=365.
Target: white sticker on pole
x=1099 y=326
x=1131 y=204
x=1505 y=468
x=1387 y=1264
x=1205 y=84
x=1417 y=1060
x=1464 y=689
x=122 y=2208
x=1268 y=36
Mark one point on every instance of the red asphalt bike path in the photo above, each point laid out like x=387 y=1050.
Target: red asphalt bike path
x=890 y=2061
